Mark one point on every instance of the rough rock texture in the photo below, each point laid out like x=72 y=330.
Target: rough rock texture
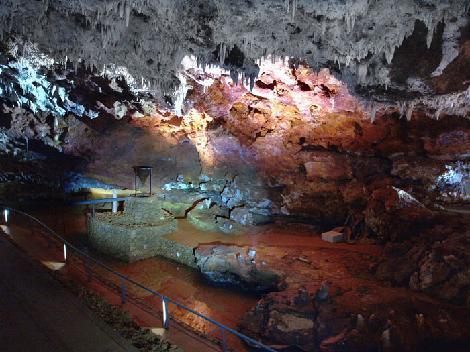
x=150 y=39
x=394 y=215
x=236 y=267
x=300 y=318
x=328 y=297
x=347 y=113
x=141 y=338
x=303 y=149
x=435 y=261
x=133 y=234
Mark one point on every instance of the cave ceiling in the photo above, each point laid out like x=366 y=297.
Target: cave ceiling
x=384 y=50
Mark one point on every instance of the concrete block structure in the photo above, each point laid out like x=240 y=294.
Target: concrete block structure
x=133 y=234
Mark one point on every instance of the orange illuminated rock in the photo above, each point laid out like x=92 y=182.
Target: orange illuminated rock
x=328 y=166
x=395 y=215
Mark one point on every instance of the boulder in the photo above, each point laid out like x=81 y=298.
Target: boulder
x=179 y=202
x=435 y=262
x=205 y=215
x=237 y=267
x=392 y=214
x=295 y=318
x=286 y=318
x=246 y=216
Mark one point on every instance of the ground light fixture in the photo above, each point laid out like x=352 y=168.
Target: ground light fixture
x=165 y=314
x=6 y=215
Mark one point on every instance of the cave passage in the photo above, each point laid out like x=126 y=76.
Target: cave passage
x=282 y=175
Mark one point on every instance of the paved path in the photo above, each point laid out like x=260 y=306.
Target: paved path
x=38 y=314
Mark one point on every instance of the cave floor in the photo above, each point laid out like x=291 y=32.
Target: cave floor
x=40 y=314
x=297 y=251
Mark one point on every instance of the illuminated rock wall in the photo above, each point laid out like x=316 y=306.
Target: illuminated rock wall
x=299 y=146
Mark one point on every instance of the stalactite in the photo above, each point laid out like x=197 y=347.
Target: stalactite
x=373 y=111
x=128 y=13
x=402 y=108
x=164 y=36
x=409 y=111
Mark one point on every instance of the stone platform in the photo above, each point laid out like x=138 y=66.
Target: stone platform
x=147 y=228
x=133 y=234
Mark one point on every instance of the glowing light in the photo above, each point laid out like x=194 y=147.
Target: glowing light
x=115 y=204
x=165 y=314
x=5 y=229
x=157 y=331
x=108 y=193
x=54 y=266
x=65 y=252
x=6 y=215
x=195 y=125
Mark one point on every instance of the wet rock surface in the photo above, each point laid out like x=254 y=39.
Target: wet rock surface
x=298 y=320
x=333 y=302
x=237 y=267
x=435 y=262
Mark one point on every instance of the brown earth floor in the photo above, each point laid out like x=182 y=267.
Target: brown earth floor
x=178 y=281
x=295 y=250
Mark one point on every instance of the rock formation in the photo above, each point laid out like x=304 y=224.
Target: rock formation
x=331 y=113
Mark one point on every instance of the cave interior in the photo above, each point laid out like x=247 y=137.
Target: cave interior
x=297 y=170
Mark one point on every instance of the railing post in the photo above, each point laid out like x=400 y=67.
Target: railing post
x=123 y=292
x=93 y=210
x=6 y=215
x=166 y=320
x=224 y=340
x=165 y=300
x=115 y=203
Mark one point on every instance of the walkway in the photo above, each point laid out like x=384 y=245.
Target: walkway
x=39 y=314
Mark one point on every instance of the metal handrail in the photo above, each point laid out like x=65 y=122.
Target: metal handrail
x=165 y=299
x=100 y=200
x=93 y=202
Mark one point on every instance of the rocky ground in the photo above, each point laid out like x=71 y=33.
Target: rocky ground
x=141 y=338
x=334 y=297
